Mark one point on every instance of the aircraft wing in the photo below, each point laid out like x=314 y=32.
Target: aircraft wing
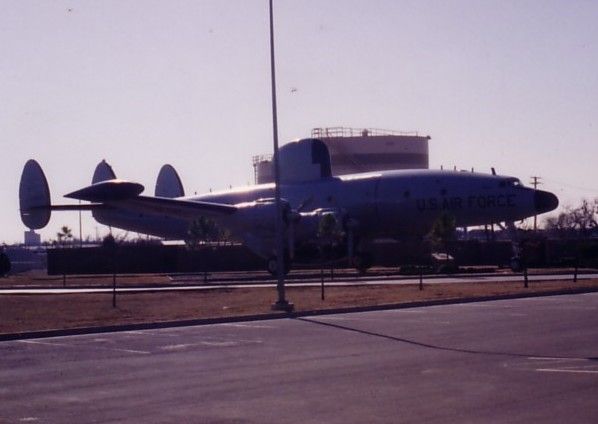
x=126 y=195
x=175 y=207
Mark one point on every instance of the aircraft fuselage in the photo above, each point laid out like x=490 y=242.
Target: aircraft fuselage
x=385 y=204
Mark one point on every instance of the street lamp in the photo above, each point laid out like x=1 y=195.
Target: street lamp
x=281 y=304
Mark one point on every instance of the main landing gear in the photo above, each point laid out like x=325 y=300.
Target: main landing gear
x=363 y=261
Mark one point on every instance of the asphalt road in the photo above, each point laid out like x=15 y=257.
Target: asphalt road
x=515 y=361
x=194 y=285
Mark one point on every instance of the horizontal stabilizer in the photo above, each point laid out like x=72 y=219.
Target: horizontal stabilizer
x=107 y=191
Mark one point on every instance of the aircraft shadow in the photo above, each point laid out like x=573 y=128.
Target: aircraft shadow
x=438 y=347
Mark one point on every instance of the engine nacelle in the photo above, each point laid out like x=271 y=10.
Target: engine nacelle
x=257 y=217
x=255 y=224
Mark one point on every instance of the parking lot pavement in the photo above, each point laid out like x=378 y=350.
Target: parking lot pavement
x=525 y=360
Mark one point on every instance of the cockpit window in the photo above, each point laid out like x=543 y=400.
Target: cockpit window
x=511 y=182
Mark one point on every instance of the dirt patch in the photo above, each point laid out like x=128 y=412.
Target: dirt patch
x=43 y=312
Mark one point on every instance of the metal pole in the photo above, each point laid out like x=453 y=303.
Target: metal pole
x=80 y=228
x=114 y=290
x=113 y=275
x=281 y=303
x=322 y=296
x=535 y=181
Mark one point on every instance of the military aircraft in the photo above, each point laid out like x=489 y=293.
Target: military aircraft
x=363 y=207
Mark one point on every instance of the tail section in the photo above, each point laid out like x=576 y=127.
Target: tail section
x=169 y=183
x=34 y=196
x=116 y=202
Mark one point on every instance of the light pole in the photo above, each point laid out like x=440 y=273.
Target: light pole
x=281 y=304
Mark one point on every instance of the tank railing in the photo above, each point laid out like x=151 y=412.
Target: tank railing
x=261 y=158
x=357 y=132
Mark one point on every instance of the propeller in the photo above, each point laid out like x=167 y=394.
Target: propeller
x=292 y=217
x=313 y=221
x=350 y=226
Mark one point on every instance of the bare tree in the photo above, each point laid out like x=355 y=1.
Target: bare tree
x=575 y=222
x=443 y=231
x=202 y=230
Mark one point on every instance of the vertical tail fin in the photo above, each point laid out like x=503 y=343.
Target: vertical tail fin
x=169 y=183
x=103 y=172
x=34 y=196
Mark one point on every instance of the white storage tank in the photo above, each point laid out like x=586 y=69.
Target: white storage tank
x=263 y=171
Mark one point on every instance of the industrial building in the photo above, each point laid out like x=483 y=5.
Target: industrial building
x=354 y=150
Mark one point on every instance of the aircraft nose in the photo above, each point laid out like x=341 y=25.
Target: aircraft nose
x=545 y=201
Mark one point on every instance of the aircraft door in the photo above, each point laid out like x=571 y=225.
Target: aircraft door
x=368 y=215
x=392 y=196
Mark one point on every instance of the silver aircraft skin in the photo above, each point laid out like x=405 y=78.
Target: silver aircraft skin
x=390 y=204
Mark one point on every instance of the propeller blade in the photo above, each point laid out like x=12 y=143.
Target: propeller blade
x=350 y=225
x=292 y=217
x=350 y=244
x=291 y=236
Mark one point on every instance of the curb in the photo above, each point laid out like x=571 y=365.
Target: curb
x=270 y=316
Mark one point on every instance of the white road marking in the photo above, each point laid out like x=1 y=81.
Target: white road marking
x=247 y=325
x=42 y=343
x=579 y=367
x=567 y=371
x=340 y=318
x=557 y=359
x=143 y=352
x=155 y=332
x=214 y=343
x=565 y=366
x=407 y=311
x=219 y=344
x=176 y=346
x=87 y=345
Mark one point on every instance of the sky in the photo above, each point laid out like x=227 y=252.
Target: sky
x=506 y=84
